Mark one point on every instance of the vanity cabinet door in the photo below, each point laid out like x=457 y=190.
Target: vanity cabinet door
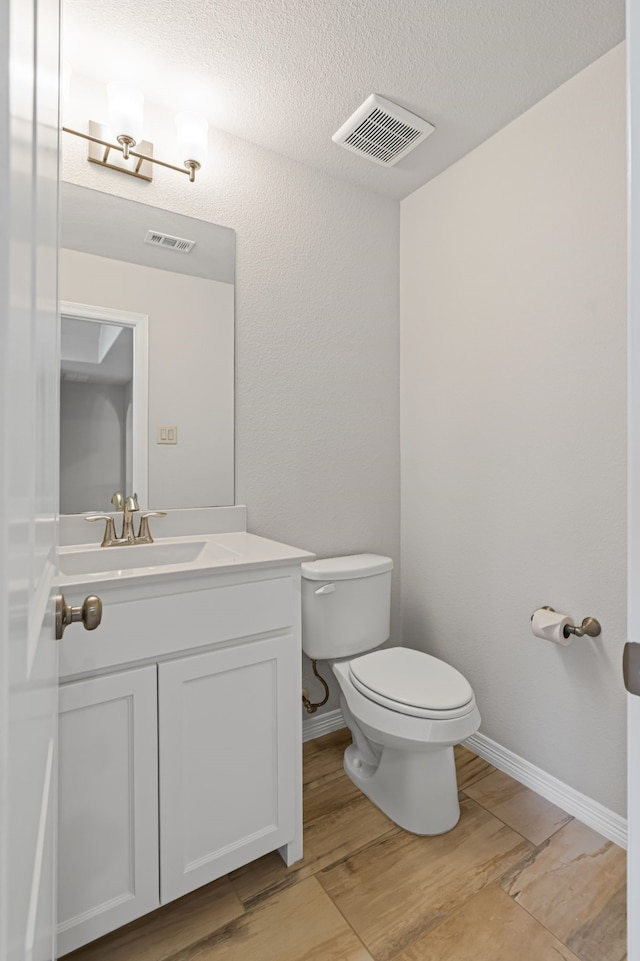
x=227 y=759
x=108 y=804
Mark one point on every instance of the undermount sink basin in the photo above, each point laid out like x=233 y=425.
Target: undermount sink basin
x=96 y=560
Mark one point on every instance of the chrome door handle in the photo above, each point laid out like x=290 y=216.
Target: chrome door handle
x=631 y=667
x=90 y=613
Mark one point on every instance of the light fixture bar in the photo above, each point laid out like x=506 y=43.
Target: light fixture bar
x=190 y=166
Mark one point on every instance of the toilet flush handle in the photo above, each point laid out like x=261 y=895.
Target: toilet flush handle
x=326 y=589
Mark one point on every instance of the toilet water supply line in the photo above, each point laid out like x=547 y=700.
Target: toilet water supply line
x=310 y=707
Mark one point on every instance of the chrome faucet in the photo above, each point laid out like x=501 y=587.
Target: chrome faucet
x=128 y=506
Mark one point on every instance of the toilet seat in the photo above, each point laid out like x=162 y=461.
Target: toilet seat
x=413 y=683
x=384 y=724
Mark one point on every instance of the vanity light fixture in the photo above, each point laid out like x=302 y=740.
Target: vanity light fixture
x=126 y=117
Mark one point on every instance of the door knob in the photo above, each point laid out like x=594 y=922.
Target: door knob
x=631 y=667
x=90 y=613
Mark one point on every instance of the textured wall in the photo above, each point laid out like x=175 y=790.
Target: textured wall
x=317 y=395
x=513 y=425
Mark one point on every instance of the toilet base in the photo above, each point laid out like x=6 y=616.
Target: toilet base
x=418 y=790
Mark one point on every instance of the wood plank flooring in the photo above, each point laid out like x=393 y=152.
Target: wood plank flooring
x=516 y=878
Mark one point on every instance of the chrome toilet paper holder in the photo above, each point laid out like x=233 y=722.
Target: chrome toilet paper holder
x=589 y=625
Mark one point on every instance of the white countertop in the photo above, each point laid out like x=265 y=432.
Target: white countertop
x=91 y=565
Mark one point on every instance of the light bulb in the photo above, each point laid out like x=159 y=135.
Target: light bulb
x=125 y=110
x=192 y=131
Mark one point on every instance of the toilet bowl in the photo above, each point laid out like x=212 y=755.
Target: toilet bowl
x=402 y=754
x=405 y=709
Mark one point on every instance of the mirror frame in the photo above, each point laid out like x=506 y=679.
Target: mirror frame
x=139 y=324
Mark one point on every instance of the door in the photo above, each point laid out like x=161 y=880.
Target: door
x=632 y=652
x=28 y=473
x=227 y=760
x=107 y=804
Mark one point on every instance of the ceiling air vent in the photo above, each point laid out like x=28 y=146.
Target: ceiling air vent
x=382 y=131
x=166 y=240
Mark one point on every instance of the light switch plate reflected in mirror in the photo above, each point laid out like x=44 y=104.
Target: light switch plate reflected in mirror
x=167 y=434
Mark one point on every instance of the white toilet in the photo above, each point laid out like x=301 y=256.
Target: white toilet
x=405 y=709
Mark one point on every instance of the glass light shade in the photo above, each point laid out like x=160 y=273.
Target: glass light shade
x=125 y=110
x=192 y=132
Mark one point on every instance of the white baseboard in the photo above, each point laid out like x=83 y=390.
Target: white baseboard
x=320 y=724
x=611 y=825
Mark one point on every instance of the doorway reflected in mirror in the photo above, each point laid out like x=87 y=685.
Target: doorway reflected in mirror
x=103 y=406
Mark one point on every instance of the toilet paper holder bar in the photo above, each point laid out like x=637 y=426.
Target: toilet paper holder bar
x=589 y=625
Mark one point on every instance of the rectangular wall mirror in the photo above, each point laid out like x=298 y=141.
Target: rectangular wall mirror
x=147 y=385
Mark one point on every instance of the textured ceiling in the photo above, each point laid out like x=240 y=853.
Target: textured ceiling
x=285 y=74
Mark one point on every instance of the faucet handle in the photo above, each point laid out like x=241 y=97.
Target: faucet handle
x=118 y=501
x=109 y=538
x=144 y=534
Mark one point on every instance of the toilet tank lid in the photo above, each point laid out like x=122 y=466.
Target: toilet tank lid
x=345 y=568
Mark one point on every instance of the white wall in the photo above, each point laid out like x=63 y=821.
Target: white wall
x=513 y=319
x=190 y=370
x=317 y=375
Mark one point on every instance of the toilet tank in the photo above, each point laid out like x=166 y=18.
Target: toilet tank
x=346 y=605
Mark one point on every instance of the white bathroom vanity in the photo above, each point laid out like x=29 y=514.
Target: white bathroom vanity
x=180 y=721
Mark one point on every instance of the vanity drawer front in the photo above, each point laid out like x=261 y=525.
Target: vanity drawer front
x=136 y=629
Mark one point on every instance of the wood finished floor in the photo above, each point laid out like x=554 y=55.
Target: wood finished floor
x=517 y=878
